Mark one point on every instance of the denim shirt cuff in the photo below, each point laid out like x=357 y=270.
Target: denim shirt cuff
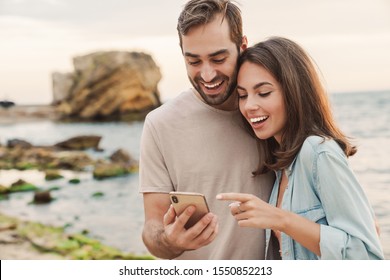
x=332 y=243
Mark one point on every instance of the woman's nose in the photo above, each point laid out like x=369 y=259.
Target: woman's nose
x=251 y=104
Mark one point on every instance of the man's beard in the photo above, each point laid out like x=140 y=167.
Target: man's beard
x=217 y=99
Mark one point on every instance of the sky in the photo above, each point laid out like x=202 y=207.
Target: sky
x=348 y=39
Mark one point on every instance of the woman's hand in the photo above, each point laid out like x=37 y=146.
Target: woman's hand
x=251 y=211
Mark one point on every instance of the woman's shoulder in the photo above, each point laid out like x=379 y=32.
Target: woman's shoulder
x=313 y=148
x=319 y=144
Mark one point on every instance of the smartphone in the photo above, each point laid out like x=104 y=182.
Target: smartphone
x=181 y=200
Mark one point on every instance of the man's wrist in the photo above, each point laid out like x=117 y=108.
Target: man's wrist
x=174 y=250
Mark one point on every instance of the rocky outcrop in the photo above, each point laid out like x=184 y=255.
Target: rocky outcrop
x=108 y=84
x=24 y=240
x=82 y=142
x=65 y=155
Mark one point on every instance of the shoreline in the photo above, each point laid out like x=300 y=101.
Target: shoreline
x=23 y=240
x=14 y=247
x=27 y=113
x=33 y=113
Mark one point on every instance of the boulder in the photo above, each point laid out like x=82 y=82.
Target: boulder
x=13 y=143
x=108 y=170
x=107 y=84
x=41 y=197
x=22 y=186
x=52 y=174
x=81 y=142
x=121 y=155
x=3 y=190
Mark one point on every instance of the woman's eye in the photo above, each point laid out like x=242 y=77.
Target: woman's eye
x=242 y=96
x=264 y=94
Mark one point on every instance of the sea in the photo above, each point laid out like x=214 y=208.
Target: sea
x=116 y=218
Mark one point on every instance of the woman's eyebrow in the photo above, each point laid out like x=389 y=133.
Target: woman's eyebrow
x=256 y=86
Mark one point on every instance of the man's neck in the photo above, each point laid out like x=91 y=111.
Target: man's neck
x=231 y=104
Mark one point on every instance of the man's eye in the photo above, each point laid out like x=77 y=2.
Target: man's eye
x=193 y=62
x=218 y=61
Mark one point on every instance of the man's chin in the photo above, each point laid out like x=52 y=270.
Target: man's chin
x=215 y=99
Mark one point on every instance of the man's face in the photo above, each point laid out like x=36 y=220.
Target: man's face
x=211 y=59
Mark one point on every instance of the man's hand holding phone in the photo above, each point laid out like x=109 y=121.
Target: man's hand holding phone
x=181 y=201
x=188 y=223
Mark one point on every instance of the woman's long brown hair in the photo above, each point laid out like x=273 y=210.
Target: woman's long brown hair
x=308 y=110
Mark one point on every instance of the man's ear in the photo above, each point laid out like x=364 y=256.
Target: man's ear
x=244 y=43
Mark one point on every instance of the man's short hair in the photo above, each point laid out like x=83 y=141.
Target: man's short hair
x=201 y=12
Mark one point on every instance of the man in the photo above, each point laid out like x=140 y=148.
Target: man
x=197 y=143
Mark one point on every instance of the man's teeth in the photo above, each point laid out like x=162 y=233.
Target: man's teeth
x=259 y=119
x=213 y=85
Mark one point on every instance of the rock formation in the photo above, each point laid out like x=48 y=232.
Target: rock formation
x=107 y=84
x=70 y=154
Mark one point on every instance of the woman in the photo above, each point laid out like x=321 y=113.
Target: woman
x=317 y=209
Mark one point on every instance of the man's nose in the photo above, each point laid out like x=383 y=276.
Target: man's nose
x=208 y=72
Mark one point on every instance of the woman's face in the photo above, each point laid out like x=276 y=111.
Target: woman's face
x=261 y=101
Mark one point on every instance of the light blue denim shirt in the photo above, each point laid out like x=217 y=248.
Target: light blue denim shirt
x=323 y=188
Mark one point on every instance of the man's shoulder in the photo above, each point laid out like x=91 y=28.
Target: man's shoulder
x=171 y=108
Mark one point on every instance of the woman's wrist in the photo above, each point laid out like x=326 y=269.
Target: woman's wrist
x=284 y=219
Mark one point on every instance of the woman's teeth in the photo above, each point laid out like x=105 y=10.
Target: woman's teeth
x=259 y=119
